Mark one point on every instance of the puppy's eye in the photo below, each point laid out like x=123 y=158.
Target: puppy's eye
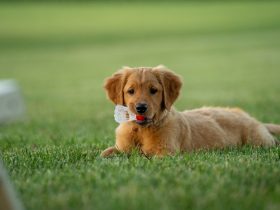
x=153 y=90
x=130 y=91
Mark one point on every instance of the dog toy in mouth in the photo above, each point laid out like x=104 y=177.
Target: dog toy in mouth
x=122 y=114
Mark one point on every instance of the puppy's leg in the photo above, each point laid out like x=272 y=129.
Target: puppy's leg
x=273 y=129
x=109 y=152
x=261 y=137
x=125 y=138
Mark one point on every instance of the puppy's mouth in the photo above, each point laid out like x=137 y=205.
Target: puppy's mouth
x=142 y=120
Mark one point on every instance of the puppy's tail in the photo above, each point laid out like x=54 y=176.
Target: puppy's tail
x=273 y=128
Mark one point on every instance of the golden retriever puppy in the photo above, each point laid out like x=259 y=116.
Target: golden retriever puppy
x=150 y=92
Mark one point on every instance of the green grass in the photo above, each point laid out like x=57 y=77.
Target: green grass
x=228 y=54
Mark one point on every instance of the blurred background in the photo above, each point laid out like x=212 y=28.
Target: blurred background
x=60 y=52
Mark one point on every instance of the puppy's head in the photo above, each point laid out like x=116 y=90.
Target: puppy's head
x=145 y=91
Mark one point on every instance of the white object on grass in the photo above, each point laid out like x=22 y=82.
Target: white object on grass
x=11 y=102
x=8 y=198
x=122 y=114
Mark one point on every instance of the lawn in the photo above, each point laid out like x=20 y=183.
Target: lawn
x=228 y=55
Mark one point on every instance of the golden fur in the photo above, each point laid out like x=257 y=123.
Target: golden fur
x=170 y=131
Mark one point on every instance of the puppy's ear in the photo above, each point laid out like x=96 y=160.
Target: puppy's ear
x=114 y=86
x=171 y=84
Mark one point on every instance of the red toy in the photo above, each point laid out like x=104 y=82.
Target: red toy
x=140 y=117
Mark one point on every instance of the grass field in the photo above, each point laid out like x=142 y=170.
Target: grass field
x=228 y=54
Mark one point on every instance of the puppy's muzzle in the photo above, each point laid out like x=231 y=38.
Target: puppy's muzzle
x=141 y=108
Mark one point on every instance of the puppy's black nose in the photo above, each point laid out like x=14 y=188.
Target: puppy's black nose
x=141 y=108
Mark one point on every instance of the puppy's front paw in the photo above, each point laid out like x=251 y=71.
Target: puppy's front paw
x=109 y=152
